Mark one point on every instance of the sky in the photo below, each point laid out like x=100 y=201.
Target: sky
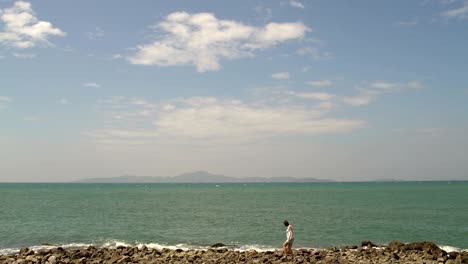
x=341 y=90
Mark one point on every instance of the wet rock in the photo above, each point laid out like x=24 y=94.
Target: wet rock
x=367 y=244
x=216 y=245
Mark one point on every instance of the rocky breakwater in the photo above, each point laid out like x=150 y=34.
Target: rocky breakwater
x=367 y=252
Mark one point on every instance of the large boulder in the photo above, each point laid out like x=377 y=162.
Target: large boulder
x=425 y=246
x=396 y=245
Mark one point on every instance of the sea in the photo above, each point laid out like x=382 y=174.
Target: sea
x=242 y=216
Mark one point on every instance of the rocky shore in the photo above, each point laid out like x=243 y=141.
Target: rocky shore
x=367 y=252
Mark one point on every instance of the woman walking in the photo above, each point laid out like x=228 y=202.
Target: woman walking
x=287 y=245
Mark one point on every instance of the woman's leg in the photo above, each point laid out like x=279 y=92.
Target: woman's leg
x=290 y=248
x=285 y=247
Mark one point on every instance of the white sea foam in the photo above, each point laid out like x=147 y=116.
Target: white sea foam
x=258 y=248
x=452 y=249
x=10 y=251
x=115 y=244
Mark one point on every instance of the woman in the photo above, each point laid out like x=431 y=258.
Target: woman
x=287 y=245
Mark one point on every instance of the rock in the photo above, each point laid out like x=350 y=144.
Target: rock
x=423 y=246
x=31 y=259
x=222 y=250
x=52 y=259
x=396 y=252
x=396 y=245
x=216 y=245
x=367 y=244
x=124 y=259
x=144 y=248
x=26 y=252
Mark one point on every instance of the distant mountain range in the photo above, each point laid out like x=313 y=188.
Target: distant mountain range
x=196 y=177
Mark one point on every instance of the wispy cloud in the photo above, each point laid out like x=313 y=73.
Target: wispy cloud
x=269 y=113
x=4 y=101
x=95 y=34
x=265 y=13
x=396 y=86
x=24 y=55
x=364 y=97
x=296 y=4
x=316 y=96
x=408 y=23
x=203 y=40
x=320 y=83
x=280 y=75
x=222 y=120
x=22 y=29
x=375 y=89
x=315 y=53
x=460 y=12
x=91 y=84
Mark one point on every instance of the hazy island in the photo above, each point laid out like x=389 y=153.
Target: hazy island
x=197 y=177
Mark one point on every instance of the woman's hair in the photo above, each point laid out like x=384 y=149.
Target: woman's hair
x=286 y=223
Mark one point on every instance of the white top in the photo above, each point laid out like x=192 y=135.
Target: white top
x=289 y=233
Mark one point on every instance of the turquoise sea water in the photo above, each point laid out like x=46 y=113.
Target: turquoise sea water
x=240 y=215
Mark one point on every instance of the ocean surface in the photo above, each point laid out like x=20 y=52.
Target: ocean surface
x=242 y=216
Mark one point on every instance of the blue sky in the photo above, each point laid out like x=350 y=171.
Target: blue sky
x=326 y=89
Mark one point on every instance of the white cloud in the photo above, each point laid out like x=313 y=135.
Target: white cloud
x=203 y=40
x=280 y=75
x=91 y=84
x=24 y=55
x=396 y=86
x=461 y=12
x=64 y=101
x=320 y=83
x=4 y=101
x=364 y=97
x=296 y=4
x=22 y=29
